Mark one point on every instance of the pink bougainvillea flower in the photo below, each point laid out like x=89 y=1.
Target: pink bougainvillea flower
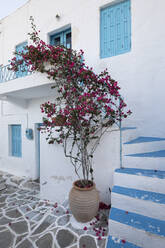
x=87 y=102
x=123 y=241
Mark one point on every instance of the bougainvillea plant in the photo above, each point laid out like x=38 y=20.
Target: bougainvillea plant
x=85 y=106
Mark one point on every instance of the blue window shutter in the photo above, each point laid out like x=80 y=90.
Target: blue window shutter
x=118 y=29
x=126 y=15
x=115 y=29
x=104 y=33
x=112 y=31
x=16 y=141
x=21 y=48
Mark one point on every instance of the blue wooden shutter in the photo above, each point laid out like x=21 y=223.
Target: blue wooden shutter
x=111 y=31
x=23 y=70
x=104 y=33
x=123 y=27
x=118 y=29
x=115 y=29
x=16 y=141
x=126 y=15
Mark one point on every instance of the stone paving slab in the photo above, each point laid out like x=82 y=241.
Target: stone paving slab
x=26 y=221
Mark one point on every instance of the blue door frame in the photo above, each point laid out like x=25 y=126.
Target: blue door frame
x=38 y=125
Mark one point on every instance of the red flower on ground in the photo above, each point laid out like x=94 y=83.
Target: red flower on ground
x=123 y=241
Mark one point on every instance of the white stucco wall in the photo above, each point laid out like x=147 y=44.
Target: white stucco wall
x=140 y=74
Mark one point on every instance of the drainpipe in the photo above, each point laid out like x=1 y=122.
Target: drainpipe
x=121 y=162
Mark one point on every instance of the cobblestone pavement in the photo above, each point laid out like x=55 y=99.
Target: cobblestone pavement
x=29 y=222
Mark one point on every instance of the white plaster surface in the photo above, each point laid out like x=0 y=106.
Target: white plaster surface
x=130 y=234
x=138 y=206
x=152 y=184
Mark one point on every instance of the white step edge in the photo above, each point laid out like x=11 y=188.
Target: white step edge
x=140 y=182
x=138 y=206
x=143 y=147
x=143 y=162
x=136 y=236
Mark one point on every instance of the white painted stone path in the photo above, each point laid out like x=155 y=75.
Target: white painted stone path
x=26 y=221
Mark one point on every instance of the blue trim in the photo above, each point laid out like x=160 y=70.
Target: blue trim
x=141 y=172
x=138 y=221
x=156 y=154
x=142 y=139
x=140 y=194
x=39 y=125
x=62 y=36
x=118 y=243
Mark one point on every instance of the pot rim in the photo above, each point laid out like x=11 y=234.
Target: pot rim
x=83 y=189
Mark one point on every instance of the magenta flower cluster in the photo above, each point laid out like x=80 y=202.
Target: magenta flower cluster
x=86 y=102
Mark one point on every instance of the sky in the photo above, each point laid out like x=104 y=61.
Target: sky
x=9 y=6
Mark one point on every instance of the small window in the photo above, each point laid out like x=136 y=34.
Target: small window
x=63 y=38
x=57 y=41
x=15 y=141
x=115 y=29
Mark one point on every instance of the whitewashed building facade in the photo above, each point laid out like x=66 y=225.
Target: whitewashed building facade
x=126 y=37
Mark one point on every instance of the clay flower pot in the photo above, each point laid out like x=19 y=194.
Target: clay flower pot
x=84 y=202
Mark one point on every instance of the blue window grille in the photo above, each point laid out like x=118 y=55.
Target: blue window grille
x=23 y=69
x=63 y=38
x=16 y=141
x=115 y=29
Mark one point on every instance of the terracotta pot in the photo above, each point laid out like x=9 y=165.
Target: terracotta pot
x=84 y=202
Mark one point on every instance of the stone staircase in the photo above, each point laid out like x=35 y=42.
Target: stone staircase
x=137 y=216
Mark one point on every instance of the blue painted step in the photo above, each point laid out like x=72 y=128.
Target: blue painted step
x=140 y=194
x=156 y=154
x=117 y=243
x=142 y=172
x=128 y=128
x=142 y=139
x=138 y=221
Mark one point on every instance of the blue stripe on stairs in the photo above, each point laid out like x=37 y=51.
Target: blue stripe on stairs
x=140 y=194
x=156 y=154
x=119 y=243
x=128 y=128
x=142 y=172
x=142 y=139
x=138 y=221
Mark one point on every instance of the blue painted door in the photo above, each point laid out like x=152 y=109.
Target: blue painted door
x=23 y=70
x=16 y=141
